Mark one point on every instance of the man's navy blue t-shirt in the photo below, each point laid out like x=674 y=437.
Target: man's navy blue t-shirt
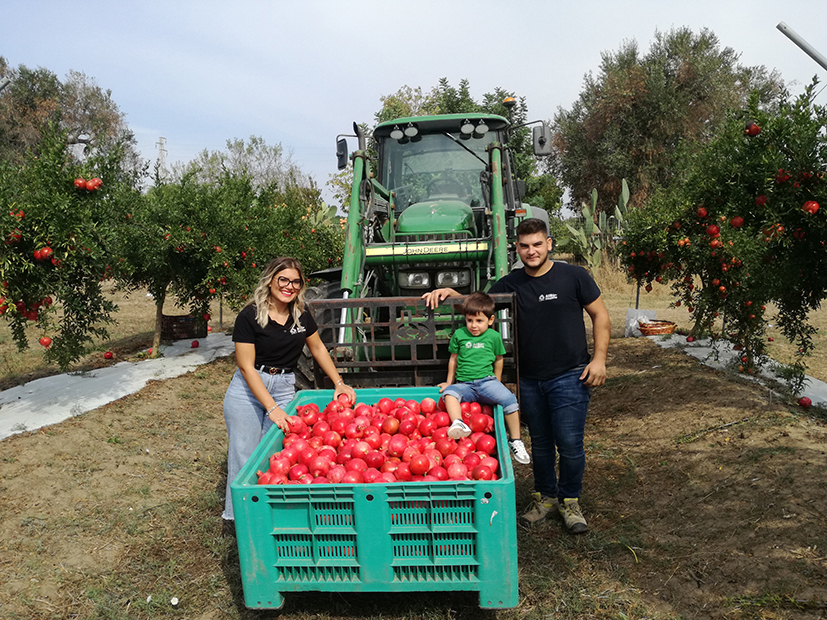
x=551 y=333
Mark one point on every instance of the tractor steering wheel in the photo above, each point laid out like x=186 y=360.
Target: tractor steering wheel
x=446 y=186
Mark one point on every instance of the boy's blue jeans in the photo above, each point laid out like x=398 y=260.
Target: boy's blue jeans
x=555 y=411
x=486 y=391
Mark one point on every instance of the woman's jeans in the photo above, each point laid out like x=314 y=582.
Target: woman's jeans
x=247 y=421
x=555 y=411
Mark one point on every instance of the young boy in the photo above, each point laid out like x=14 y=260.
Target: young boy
x=476 y=363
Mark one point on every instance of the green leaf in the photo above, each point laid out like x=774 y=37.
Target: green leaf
x=623 y=201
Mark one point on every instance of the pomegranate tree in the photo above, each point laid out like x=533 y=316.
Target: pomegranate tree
x=743 y=229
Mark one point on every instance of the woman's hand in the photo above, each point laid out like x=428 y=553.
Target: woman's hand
x=341 y=388
x=279 y=418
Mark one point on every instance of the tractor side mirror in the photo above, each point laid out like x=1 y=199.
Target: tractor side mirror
x=341 y=153
x=541 y=140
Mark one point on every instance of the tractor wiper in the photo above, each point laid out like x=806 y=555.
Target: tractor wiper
x=450 y=137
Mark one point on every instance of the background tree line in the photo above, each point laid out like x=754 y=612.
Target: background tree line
x=654 y=118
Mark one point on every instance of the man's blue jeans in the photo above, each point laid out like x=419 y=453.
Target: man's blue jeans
x=555 y=411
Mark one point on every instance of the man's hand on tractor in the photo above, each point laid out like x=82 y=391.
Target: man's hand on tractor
x=433 y=298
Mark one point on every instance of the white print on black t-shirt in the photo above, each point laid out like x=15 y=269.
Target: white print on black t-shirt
x=548 y=296
x=474 y=345
x=297 y=329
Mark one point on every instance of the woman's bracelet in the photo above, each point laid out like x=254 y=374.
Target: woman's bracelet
x=271 y=410
x=340 y=382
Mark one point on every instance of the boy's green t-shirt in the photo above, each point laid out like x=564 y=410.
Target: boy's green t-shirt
x=475 y=354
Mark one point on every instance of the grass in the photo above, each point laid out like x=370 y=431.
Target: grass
x=144 y=512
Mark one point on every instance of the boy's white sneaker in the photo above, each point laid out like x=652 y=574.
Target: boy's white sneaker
x=518 y=451
x=458 y=430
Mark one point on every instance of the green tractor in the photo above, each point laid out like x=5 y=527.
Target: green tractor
x=439 y=210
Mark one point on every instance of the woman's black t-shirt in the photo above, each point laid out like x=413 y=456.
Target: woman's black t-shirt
x=551 y=334
x=276 y=345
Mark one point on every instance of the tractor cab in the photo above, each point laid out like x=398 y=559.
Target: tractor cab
x=436 y=167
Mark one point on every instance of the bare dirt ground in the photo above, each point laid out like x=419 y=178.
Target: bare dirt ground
x=705 y=497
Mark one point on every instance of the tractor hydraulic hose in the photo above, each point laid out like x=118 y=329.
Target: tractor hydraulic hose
x=499 y=232
x=342 y=322
x=354 y=248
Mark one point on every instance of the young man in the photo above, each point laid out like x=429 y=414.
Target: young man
x=556 y=372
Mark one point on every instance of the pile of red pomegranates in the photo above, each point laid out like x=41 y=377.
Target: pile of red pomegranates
x=392 y=441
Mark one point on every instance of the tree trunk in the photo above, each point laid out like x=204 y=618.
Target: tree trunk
x=159 y=320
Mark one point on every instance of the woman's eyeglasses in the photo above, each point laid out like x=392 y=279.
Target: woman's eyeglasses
x=283 y=282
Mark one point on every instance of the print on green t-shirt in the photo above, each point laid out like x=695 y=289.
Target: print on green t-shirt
x=475 y=354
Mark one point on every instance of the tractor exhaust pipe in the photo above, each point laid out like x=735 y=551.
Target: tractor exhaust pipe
x=360 y=136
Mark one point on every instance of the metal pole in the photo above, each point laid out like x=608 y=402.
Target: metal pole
x=637 y=298
x=808 y=49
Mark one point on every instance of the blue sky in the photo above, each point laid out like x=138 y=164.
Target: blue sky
x=300 y=72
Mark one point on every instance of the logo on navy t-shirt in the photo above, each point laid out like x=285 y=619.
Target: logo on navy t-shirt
x=548 y=296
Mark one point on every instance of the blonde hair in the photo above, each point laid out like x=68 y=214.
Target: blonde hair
x=261 y=296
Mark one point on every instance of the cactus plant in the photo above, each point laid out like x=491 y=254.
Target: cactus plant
x=593 y=240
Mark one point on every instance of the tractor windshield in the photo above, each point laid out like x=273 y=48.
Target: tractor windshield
x=438 y=166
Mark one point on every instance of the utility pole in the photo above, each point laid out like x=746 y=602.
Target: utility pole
x=808 y=49
x=162 y=157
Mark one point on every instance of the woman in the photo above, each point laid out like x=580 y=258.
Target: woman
x=269 y=336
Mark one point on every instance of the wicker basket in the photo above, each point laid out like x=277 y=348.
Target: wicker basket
x=656 y=328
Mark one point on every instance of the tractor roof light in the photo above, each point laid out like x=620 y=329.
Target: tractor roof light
x=411 y=130
x=396 y=133
x=467 y=127
x=481 y=129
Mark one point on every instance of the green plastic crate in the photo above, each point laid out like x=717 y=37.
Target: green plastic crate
x=400 y=537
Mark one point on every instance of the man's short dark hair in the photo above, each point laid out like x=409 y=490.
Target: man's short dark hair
x=478 y=302
x=532 y=226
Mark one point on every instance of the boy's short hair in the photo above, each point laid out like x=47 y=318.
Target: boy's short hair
x=478 y=302
x=532 y=226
